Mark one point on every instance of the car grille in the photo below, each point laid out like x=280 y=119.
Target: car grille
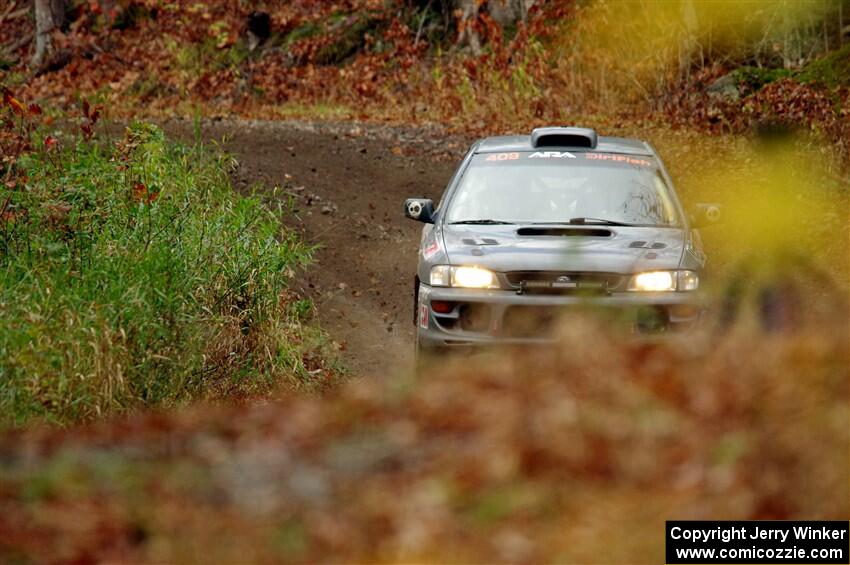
x=563 y=281
x=529 y=321
x=524 y=321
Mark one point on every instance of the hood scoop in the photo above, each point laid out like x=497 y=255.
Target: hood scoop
x=565 y=232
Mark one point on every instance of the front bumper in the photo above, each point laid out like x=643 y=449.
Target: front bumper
x=480 y=317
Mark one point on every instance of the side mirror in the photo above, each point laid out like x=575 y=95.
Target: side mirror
x=704 y=215
x=419 y=209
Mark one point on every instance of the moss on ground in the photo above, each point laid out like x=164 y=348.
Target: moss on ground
x=755 y=78
x=832 y=70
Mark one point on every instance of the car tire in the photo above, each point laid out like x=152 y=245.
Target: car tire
x=424 y=356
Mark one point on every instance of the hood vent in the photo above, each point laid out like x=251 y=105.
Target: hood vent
x=482 y=241
x=565 y=232
x=645 y=245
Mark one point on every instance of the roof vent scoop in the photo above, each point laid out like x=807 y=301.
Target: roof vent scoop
x=564 y=137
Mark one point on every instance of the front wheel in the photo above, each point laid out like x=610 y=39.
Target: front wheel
x=425 y=356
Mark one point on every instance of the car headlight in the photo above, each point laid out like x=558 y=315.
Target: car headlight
x=473 y=277
x=463 y=277
x=661 y=281
x=653 y=281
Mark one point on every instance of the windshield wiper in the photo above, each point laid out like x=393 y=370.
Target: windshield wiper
x=484 y=222
x=582 y=221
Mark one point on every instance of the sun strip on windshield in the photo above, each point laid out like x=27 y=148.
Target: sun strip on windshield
x=567 y=156
x=618 y=158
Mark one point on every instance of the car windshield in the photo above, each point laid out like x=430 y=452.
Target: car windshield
x=560 y=187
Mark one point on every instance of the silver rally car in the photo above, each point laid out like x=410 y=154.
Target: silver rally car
x=530 y=227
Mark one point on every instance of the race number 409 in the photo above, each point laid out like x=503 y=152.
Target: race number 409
x=502 y=157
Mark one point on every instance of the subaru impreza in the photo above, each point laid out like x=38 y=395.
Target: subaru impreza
x=533 y=227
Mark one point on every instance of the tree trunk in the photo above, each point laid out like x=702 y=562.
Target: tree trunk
x=689 y=39
x=503 y=12
x=509 y=12
x=467 y=15
x=49 y=16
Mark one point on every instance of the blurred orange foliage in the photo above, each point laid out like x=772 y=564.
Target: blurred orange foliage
x=575 y=454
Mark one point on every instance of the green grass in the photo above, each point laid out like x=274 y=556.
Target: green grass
x=136 y=276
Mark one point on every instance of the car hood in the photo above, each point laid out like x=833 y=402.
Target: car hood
x=613 y=249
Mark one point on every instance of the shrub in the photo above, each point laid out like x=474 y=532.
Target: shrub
x=532 y=457
x=136 y=275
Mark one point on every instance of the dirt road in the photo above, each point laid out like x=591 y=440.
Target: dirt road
x=348 y=182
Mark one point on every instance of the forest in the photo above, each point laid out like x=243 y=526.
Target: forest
x=206 y=347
